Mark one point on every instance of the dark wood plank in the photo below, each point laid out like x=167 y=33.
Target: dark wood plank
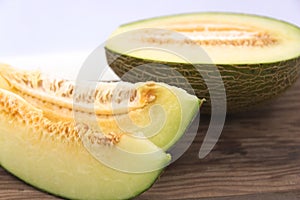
x=257 y=157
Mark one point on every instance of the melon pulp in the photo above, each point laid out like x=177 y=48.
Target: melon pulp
x=257 y=57
x=75 y=153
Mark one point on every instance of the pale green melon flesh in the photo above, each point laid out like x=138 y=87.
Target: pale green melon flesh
x=178 y=116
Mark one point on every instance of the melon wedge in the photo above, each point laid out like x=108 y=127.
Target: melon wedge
x=63 y=148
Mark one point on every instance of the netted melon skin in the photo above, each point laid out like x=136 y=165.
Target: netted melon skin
x=246 y=85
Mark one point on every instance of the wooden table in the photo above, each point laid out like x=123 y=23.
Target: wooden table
x=257 y=157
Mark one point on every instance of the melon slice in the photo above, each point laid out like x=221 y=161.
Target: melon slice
x=258 y=57
x=68 y=150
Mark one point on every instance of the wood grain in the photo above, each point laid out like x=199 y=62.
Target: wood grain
x=257 y=157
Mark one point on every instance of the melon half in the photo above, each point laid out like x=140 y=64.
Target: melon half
x=250 y=58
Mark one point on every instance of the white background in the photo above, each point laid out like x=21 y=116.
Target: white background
x=59 y=34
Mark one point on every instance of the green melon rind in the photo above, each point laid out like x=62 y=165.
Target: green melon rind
x=245 y=85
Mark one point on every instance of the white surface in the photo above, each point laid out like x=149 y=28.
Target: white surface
x=57 y=36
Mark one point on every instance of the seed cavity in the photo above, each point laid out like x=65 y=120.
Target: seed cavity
x=19 y=113
x=210 y=34
x=95 y=137
x=100 y=98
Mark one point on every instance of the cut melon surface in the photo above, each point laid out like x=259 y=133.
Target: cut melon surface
x=226 y=38
x=75 y=154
